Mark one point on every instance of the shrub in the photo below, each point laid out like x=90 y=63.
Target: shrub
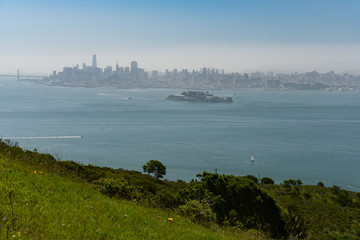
x=343 y=198
x=267 y=180
x=237 y=200
x=320 y=184
x=335 y=189
x=295 y=223
x=198 y=211
x=252 y=178
x=90 y=172
x=165 y=199
x=293 y=182
x=307 y=195
x=117 y=188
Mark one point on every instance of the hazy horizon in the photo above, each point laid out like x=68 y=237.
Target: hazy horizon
x=237 y=36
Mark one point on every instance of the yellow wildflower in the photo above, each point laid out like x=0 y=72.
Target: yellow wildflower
x=35 y=172
x=170 y=219
x=40 y=172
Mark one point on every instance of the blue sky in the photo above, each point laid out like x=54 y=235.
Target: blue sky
x=277 y=35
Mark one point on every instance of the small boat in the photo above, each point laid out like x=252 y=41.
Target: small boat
x=252 y=159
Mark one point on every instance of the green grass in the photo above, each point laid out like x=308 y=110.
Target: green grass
x=48 y=206
x=324 y=216
x=41 y=198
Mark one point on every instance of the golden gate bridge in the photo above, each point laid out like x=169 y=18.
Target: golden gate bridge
x=17 y=75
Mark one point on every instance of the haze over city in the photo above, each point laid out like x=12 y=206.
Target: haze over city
x=237 y=36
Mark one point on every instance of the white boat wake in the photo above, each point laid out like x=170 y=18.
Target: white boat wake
x=47 y=137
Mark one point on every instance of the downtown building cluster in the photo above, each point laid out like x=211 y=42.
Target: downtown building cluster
x=134 y=77
x=94 y=75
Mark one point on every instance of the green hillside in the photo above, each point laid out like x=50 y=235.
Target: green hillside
x=42 y=198
x=38 y=203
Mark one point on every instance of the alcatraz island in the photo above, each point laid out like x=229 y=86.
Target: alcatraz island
x=210 y=79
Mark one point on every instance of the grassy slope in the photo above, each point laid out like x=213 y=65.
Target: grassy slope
x=324 y=217
x=45 y=205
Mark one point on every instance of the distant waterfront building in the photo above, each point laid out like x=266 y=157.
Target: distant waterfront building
x=94 y=62
x=127 y=69
x=204 y=71
x=67 y=73
x=154 y=73
x=120 y=70
x=108 y=70
x=140 y=75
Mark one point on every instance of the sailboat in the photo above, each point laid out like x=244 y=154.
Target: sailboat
x=252 y=159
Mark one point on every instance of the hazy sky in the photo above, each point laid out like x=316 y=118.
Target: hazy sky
x=39 y=36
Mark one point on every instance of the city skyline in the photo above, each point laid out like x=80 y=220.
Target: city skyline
x=134 y=76
x=238 y=36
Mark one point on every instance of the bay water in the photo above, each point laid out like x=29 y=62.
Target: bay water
x=309 y=135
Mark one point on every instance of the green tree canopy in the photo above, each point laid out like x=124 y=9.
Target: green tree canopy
x=236 y=201
x=155 y=167
x=267 y=180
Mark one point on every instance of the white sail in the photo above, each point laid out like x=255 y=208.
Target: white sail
x=252 y=159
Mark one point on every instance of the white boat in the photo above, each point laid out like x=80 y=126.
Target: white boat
x=252 y=159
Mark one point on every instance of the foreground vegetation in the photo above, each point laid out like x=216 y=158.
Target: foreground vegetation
x=49 y=199
x=40 y=201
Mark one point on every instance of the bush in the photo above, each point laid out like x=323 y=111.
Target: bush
x=293 y=182
x=307 y=195
x=267 y=180
x=320 y=184
x=90 y=172
x=198 y=211
x=118 y=188
x=335 y=189
x=295 y=223
x=165 y=199
x=344 y=199
x=237 y=200
x=252 y=178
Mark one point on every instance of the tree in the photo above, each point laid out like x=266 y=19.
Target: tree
x=320 y=184
x=155 y=167
x=236 y=201
x=267 y=180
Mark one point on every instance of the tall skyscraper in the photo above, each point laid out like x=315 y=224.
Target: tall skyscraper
x=134 y=69
x=94 y=63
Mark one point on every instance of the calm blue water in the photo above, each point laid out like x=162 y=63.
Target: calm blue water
x=308 y=135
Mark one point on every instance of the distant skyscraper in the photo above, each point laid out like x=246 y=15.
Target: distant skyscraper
x=94 y=63
x=134 y=69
